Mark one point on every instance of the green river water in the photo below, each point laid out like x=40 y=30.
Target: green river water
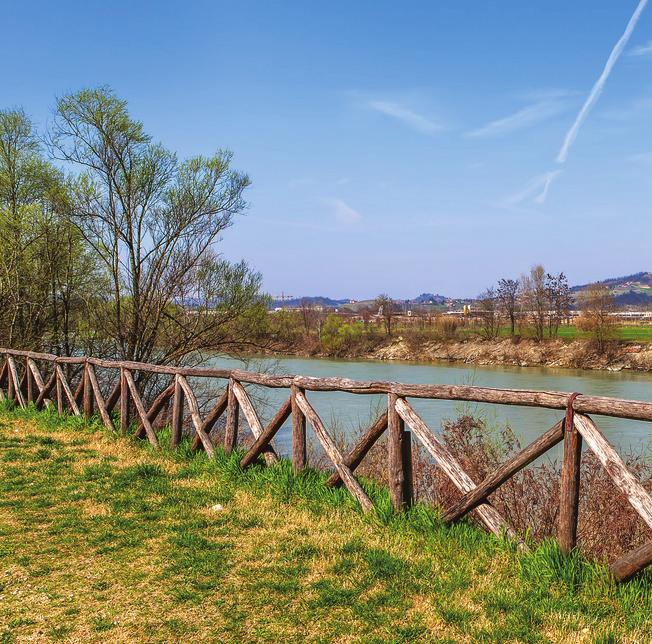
x=349 y=411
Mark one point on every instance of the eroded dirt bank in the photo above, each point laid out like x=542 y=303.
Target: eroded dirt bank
x=577 y=354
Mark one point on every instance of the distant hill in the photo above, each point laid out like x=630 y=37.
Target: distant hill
x=628 y=290
x=315 y=300
x=430 y=298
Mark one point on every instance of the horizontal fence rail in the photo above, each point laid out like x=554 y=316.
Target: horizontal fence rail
x=23 y=383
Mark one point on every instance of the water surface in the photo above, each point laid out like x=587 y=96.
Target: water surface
x=349 y=411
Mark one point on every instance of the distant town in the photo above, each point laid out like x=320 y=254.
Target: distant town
x=632 y=294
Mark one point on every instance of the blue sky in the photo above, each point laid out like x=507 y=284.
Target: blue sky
x=398 y=147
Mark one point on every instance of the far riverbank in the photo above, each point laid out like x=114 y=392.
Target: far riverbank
x=557 y=353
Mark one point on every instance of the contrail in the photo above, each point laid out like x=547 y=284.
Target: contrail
x=599 y=84
x=549 y=178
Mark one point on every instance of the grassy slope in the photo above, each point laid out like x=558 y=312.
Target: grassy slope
x=103 y=539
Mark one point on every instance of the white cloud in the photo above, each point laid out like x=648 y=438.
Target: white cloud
x=535 y=190
x=344 y=213
x=530 y=115
x=405 y=115
x=541 y=183
x=641 y=50
x=598 y=86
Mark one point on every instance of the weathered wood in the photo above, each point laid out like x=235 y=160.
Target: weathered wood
x=41 y=384
x=493 y=481
x=602 y=405
x=333 y=453
x=36 y=374
x=408 y=477
x=268 y=433
x=23 y=384
x=569 y=487
x=232 y=416
x=474 y=499
x=72 y=403
x=624 y=480
x=449 y=464
x=16 y=390
x=299 y=451
x=632 y=563
x=155 y=409
x=253 y=421
x=113 y=396
x=99 y=401
x=11 y=388
x=210 y=419
x=399 y=487
x=79 y=390
x=362 y=447
x=46 y=389
x=3 y=373
x=138 y=403
x=35 y=355
x=177 y=414
x=124 y=402
x=87 y=395
x=59 y=391
x=29 y=378
x=194 y=414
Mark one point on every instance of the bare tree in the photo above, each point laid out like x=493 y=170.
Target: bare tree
x=366 y=313
x=559 y=301
x=385 y=306
x=507 y=294
x=535 y=299
x=309 y=314
x=490 y=316
x=597 y=306
x=153 y=222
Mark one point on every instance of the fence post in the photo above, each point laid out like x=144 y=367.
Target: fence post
x=30 y=381
x=399 y=450
x=299 y=454
x=177 y=413
x=570 y=483
x=124 y=402
x=59 y=388
x=10 y=382
x=87 y=396
x=232 y=415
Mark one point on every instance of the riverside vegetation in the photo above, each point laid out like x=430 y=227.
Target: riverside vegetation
x=105 y=538
x=442 y=338
x=532 y=321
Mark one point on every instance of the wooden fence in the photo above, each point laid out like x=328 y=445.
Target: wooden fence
x=22 y=381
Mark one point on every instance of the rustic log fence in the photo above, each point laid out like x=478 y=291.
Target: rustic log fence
x=22 y=382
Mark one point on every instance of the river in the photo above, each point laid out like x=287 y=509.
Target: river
x=349 y=411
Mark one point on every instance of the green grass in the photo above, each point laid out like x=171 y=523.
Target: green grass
x=626 y=333
x=102 y=538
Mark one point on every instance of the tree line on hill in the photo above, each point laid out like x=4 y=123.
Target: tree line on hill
x=108 y=241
